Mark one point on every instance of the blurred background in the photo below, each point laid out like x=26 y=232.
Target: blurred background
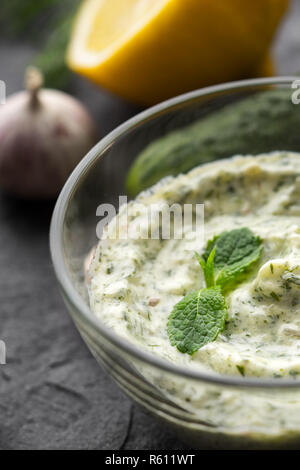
x=52 y=394
x=38 y=33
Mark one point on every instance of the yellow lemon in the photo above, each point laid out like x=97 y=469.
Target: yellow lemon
x=150 y=50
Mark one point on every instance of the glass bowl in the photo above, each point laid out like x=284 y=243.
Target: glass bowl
x=225 y=411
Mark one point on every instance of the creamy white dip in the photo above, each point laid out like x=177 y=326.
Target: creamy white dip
x=135 y=283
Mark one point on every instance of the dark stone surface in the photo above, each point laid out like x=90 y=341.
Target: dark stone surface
x=52 y=392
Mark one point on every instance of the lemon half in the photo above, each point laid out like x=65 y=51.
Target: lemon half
x=150 y=50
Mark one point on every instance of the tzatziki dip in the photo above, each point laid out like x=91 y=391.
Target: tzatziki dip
x=139 y=287
x=135 y=283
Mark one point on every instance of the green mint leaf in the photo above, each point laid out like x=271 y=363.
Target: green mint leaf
x=197 y=319
x=235 y=252
x=208 y=268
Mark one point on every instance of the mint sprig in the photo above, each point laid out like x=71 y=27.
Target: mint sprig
x=208 y=267
x=197 y=319
x=235 y=252
x=200 y=316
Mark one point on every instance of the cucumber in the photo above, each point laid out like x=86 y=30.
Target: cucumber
x=264 y=122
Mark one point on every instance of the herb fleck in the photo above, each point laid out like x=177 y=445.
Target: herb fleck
x=241 y=369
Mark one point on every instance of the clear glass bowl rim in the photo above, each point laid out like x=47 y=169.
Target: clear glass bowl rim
x=56 y=238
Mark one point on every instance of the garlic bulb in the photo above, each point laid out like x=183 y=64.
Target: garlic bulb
x=43 y=135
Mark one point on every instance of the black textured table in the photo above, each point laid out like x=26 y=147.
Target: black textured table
x=52 y=392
